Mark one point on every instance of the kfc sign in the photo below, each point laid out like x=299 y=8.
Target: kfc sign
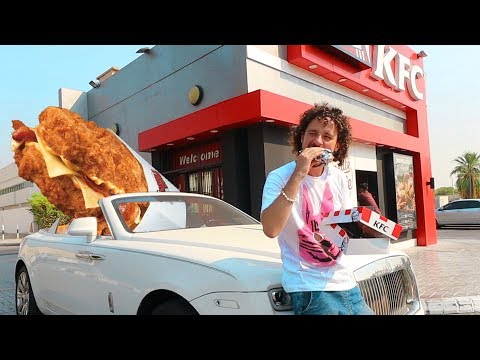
x=384 y=57
x=364 y=64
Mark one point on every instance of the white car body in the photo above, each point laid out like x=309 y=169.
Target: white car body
x=227 y=269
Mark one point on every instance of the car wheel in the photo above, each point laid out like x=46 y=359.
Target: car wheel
x=438 y=226
x=173 y=307
x=25 y=303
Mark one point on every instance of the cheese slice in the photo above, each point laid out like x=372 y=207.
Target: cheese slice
x=114 y=189
x=14 y=145
x=55 y=166
x=90 y=196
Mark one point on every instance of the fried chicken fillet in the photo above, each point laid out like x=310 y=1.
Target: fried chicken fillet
x=83 y=146
x=59 y=190
x=94 y=164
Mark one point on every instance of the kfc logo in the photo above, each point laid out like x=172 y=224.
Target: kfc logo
x=404 y=73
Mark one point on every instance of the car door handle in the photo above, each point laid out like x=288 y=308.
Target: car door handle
x=96 y=257
x=89 y=255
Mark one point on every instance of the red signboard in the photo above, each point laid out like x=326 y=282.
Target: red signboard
x=198 y=156
x=387 y=73
x=360 y=53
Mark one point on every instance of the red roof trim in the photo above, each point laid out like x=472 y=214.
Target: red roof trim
x=256 y=107
x=242 y=110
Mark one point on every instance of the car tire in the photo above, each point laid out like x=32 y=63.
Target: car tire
x=173 y=307
x=438 y=226
x=25 y=303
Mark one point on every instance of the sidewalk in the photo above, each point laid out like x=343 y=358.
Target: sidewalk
x=11 y=239
x=448 y=276
x=10 y=242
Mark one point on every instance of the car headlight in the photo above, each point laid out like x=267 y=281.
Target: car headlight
x=280 y=299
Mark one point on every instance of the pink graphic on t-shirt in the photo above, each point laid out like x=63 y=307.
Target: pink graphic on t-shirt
x=314 y=246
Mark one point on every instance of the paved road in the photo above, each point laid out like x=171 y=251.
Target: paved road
x=8 y=255
x=459 y=232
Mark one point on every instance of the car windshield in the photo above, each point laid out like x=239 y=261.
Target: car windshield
x=177 y=211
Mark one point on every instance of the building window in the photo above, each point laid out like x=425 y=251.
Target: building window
x=23 y=185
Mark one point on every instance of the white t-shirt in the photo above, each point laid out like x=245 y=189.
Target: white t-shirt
x=307 y=265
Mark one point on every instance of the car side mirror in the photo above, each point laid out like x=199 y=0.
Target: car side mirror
x=440 y=208
x=85 y=226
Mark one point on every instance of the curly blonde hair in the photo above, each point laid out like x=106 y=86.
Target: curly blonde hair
x=320 y=112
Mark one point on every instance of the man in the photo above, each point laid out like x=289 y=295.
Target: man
x=294 y=197
x=365 y=198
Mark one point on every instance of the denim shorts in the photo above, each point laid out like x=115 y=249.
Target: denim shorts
x=348 y=302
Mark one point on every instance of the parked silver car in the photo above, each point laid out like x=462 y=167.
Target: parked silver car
x=459 y=212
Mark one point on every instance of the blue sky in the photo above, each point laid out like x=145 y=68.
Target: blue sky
x=453 y=104
x=32 y=75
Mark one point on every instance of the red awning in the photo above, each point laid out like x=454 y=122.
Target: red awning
x=254 y=107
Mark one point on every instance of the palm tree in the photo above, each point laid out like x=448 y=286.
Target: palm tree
x=468 y=174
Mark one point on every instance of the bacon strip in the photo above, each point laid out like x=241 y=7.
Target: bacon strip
x=22 y=133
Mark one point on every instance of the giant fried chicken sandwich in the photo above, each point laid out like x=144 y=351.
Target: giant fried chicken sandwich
x=75 y=163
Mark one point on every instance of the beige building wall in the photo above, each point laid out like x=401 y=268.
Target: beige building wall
x=74 y=100
x=14 y=192
x=268 y=69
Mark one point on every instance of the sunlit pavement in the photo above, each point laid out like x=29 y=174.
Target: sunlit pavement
x=448 y=273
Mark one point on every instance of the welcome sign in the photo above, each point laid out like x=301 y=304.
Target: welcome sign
x=198 y=156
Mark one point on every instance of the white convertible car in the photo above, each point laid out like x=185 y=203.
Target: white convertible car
x=189 y=254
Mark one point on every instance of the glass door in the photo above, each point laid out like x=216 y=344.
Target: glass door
x=207 y=182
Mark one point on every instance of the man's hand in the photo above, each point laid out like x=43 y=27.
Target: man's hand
x=306 y=159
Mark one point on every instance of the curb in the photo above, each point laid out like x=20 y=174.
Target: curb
x=455 y=305
x=9 y=242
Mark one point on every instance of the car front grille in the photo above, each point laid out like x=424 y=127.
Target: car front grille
x=389 y=287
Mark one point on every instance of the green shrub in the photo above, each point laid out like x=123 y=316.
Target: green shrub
x=44 y=213
x=445 y=191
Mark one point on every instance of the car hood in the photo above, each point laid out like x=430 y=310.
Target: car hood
x=240 y=250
